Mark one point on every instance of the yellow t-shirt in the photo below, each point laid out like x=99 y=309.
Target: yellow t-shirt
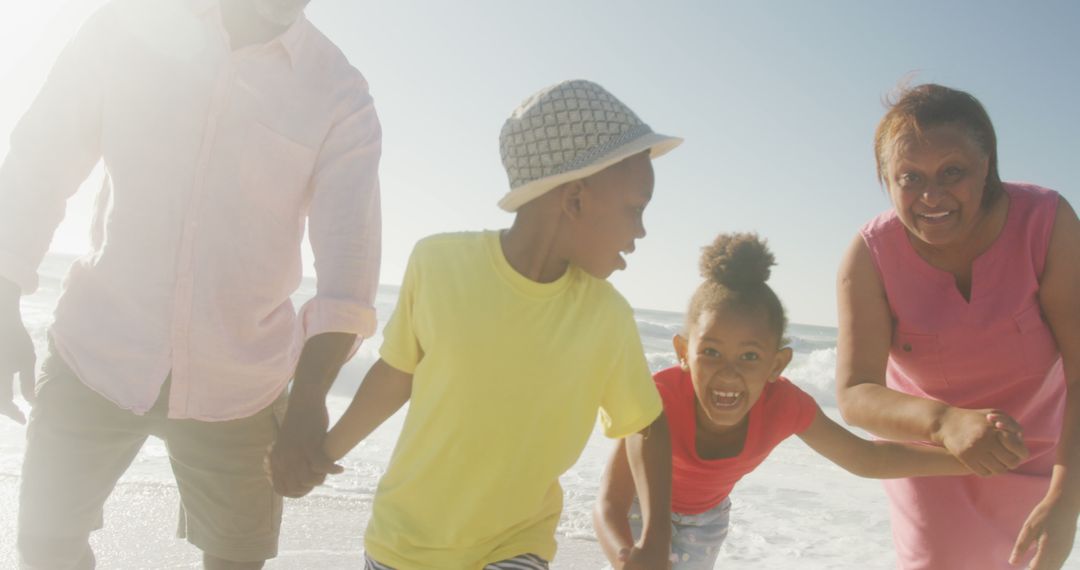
x=508 y=377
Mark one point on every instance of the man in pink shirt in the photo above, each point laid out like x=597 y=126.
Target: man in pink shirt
x=225 y=127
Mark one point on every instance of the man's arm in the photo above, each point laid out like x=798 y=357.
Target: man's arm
x=16 y=353
x=54 y=147
x=297 y=461
x=344 y=226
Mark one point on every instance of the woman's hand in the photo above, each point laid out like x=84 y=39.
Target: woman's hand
x=988 y=442
x=1050 y=528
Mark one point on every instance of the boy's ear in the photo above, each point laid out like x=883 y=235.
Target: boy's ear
x=679 y=342
x=783 y=358
x=572 y=194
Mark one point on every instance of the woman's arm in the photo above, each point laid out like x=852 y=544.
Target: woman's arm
x=384 y=390
x=612 y=508
x=865 y=335
x=889 y=459
x=1051 y=527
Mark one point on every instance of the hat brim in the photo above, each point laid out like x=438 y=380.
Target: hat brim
x=658 y=145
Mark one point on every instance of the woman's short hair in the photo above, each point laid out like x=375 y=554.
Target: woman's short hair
x=913 y=110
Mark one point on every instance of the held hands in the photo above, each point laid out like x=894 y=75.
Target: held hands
x=297 y=461
x=16 y=354
x=638 y=558
x=988 y=442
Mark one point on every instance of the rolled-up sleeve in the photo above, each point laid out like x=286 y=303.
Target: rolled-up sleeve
x=344 y=221
x=53 y=149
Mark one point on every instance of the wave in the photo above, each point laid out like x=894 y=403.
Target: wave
x=815 y=373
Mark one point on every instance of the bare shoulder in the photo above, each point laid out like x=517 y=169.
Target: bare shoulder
x=1063 y=255
x=1066 y=225
x=857 y=269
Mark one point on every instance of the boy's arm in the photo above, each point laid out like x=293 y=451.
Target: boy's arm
x=648 y=453
x=612 y=508
x=384 y=390
x=888 y=459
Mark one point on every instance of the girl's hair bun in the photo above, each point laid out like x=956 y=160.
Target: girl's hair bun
x=737 y=261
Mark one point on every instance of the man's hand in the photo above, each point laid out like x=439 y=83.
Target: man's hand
x=16 y=353
x=297 y=462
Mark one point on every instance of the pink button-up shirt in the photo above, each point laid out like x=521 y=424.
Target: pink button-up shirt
x=214 y=159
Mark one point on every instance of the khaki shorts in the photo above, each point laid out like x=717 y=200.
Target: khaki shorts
x=79 y=444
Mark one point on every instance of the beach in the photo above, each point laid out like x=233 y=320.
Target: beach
x=796 y=511
x=783 y=516
x=320 y=531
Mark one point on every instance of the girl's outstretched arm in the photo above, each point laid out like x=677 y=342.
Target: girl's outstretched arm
x=890 y=459
x=384 y=390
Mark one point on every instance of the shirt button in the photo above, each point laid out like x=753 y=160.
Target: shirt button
x=906 y=347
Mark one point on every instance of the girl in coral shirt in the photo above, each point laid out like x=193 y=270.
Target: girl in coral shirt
x=728 y=407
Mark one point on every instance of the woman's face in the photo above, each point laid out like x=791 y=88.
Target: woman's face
x=936 y=184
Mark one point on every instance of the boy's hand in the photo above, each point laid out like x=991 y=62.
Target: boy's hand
x=637 y=558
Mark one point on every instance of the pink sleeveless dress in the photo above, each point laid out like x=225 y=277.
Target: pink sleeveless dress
x=994 y=351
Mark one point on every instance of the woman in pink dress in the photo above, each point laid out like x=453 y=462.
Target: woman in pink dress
x=963 y=300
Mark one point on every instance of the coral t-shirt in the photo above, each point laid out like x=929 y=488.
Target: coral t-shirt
x=700 y=484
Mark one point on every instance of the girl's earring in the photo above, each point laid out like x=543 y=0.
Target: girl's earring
x=682 y=363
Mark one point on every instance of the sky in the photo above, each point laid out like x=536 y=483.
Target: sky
x=777 y=101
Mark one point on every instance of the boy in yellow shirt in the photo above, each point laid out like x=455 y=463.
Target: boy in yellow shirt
x=507 y=343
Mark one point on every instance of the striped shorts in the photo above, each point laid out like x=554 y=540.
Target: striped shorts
x=523 y=562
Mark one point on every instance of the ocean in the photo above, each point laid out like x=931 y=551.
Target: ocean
x=796 y=511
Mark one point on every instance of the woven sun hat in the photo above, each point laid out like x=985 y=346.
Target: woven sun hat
x=566 y=132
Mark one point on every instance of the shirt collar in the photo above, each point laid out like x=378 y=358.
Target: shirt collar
x=291 y=40
x=200 y=7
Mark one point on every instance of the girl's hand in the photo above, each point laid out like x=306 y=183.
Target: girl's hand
x=977 y=441
x=1010 y=434
x=1050 y=528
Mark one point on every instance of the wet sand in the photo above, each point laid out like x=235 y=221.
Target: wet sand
x=319 y=531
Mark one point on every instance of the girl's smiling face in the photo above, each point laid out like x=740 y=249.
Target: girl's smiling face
x=732 y=353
